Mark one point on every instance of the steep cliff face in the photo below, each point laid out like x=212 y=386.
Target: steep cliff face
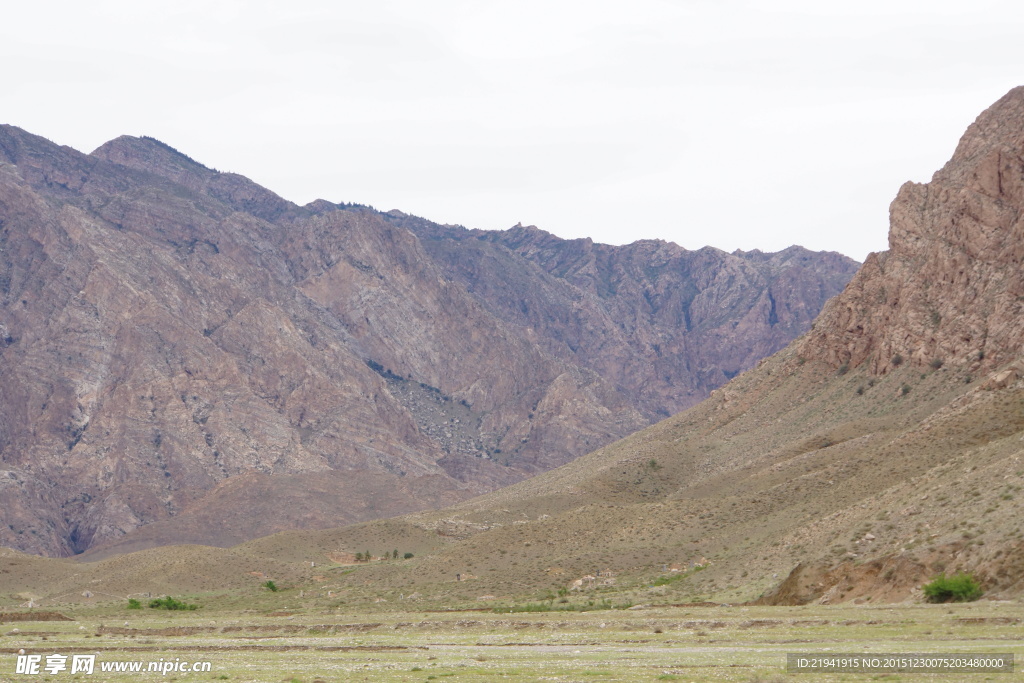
x=183 y=350
x=950 y=289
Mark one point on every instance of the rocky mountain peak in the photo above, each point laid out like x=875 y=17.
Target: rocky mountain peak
x=950 y=288
x=998 y=129
x=160 y=159
x=149 y=154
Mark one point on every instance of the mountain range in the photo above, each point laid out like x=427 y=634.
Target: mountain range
x=187 y=357
x=881 y=448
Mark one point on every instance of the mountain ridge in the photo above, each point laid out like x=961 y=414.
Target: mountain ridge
x=166 y=328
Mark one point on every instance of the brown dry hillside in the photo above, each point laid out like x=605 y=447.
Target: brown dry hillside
x=832 y=471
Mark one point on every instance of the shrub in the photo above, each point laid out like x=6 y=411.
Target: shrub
x=407 y=556
x=961 y=587
x=897 y=360
x=170 y=603
x=937 y=363
x=134 y=604
x=270 y=586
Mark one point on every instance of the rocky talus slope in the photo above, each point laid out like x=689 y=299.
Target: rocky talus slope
x=187 y=357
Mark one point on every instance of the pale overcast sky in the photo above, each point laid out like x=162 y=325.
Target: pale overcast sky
x=723 y=122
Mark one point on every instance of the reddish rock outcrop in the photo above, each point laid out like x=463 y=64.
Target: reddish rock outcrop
x=950 y=289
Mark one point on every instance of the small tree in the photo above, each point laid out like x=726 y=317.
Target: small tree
x=394 y=554
x=359 y=557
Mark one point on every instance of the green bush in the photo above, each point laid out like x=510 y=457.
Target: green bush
x=961 y=587
x=170 y=603
x=134 y=604
x=270 y=586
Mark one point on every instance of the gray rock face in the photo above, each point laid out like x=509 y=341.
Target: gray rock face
x=186 y=357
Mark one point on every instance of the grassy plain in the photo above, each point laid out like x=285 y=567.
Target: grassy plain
x=298 y=643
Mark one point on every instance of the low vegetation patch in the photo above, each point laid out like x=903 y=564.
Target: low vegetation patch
x=171 y=604
x=588 y=606
x=674 y=578
x=961 y=587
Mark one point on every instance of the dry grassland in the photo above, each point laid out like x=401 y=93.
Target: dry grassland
x=720 y=643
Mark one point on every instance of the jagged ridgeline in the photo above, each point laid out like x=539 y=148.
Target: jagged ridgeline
x=187 y=357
